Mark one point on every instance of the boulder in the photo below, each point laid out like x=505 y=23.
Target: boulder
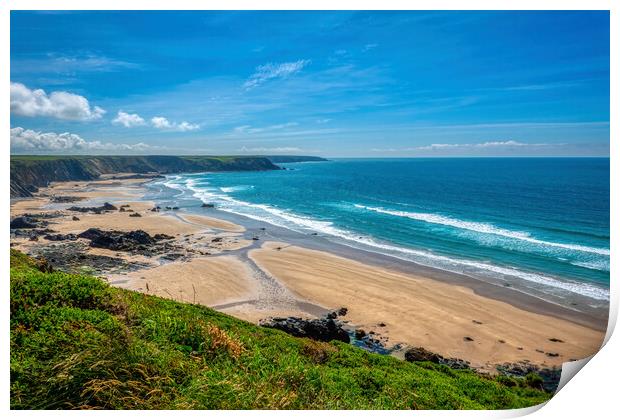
x=60 y=237
x=320 y=329
x=24 y=222
x=117 y=240
x=420 y=354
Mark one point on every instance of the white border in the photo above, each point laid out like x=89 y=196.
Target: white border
x=592 y=394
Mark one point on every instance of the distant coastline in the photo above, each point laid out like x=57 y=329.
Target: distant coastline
x=31 y=172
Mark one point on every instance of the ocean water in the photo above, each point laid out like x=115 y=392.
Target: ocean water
x=536 y=223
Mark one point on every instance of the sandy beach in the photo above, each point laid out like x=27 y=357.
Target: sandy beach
x=221 y=266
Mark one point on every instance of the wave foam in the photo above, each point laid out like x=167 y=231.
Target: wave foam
x=485 y=228
x=299 y=223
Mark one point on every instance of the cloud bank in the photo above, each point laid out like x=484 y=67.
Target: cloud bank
x=59 y=104
x=30 y=141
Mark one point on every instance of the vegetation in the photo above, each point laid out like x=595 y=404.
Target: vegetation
x=77 y=343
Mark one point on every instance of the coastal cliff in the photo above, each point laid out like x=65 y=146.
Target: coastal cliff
x=28 y=173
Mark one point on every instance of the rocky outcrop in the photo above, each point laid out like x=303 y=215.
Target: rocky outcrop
x=545 y=378
x=136 y=241
x=28 y=173
x=320 y=329
x=420 y=354
x=96 y=210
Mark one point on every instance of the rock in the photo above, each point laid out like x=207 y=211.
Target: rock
x=60 y=237
x=65 y=199
x=24 y=222
x=122 y=209
x=381 y=324
x=556 y=340
x=342 y=311
x=255 y=238
x=155 y=209
x=552 y=354
x=116 y=240
x=175 y=208
x=420 y=354
x=106 y=207
x=73 y=257
x=476 y=322
x=550 y=376
x=320 y=329
x=359 y=333
x=208 y=205
x=75 y=218
x=135 y=215
x=162 y=237
x=217 y=239
x=466 y=338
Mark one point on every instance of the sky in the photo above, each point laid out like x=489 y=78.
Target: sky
x=334 y=84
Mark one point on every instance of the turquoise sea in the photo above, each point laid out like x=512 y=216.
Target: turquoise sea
x=539 y=223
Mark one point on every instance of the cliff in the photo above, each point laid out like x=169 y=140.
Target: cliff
x=28 y=173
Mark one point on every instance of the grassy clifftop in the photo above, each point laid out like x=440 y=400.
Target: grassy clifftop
x=77 y=343
x=31 y=172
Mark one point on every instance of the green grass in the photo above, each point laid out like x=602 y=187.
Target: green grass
x=77 y=343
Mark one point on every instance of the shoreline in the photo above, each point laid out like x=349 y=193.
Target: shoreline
x=252 y=289
x=579 y=312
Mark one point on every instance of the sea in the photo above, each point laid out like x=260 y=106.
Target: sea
x=538 y=225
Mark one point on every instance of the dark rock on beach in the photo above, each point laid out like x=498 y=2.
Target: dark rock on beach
x=420 y=354
x=65 y=199
x=73 y=257
x=208 y=205
x=136 y=241
x=117 y=240
x=60 y=237
x=320 y=329
x=97 y=210
x=550 y=376
x=24 y=222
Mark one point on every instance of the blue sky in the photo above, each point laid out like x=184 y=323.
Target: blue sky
x=348 y=84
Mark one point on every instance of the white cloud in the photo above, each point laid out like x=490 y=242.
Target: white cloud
x=270 y=149
x=270 y=71
x=369 y=47
x=128 y=120
x=248 y=129
x=486 y=145
x=323 y=120
x=163 y=123
x=23 y=140
x=58 y=104
x=160 y=122
x=69 y=64
x=185 y=126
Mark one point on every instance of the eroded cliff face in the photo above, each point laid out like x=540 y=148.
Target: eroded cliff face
x=28 y=173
